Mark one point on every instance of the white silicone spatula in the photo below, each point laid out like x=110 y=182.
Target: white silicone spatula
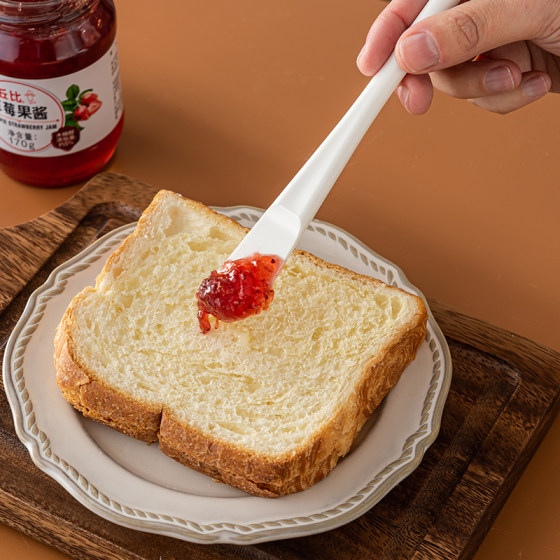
x=281 y=226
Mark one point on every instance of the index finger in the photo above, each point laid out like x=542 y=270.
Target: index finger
x=385 y=32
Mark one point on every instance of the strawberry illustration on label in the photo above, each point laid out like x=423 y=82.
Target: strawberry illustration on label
x=81 y=113
x=78 y=106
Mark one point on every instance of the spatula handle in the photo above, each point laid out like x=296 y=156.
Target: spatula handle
x=279 y=229
x=306 y=192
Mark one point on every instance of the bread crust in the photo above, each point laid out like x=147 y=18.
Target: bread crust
x=295 y=471
x=98 y=401
x=258 y=474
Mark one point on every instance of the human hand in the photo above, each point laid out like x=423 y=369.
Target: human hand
x=499 y=54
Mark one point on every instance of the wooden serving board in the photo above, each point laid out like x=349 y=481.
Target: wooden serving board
x=503 y=397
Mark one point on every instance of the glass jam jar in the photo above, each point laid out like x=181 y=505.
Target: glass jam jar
x=61 y=111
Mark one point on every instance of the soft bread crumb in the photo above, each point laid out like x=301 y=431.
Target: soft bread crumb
x=269 y=383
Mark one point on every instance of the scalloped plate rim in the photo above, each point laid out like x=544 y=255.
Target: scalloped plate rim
x=224 y=533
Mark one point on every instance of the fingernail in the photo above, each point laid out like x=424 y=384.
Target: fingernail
x=403 y=93
x=535 y=87
x=499 y=79
x=360 y=55
x=419 y=52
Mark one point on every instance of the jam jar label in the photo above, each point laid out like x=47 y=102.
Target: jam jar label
x=56 y=116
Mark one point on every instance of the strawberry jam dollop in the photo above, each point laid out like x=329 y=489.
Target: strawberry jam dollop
x=240 y=288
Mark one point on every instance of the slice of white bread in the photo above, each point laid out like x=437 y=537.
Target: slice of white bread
x=267 y=404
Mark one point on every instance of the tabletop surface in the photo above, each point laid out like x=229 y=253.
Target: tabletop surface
x=225 y=101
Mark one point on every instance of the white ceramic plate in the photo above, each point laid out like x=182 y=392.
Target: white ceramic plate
x=135 y=485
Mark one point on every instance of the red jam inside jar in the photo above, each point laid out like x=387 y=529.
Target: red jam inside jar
x=240 y=289
x=50 y=44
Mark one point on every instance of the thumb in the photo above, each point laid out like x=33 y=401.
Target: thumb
x=461 y=33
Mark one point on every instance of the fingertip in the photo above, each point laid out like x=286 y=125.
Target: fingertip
x=499 y=79
x=403 y=93
x=368 y=62
x=417 y=52
x=535 y=86
x=359 y=56
x=360 y=62
x=416 y=94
